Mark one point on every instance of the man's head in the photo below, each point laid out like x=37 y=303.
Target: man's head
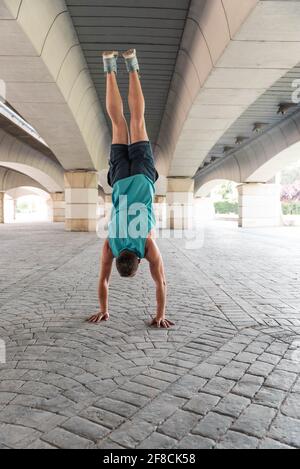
x=127 y=264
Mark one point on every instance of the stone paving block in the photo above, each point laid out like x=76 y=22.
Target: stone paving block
x=11 y=385
x=281 y=380
x=260 y=369
x=221 y=358
x=255 y=420
x=234 y=370
x=160 y=409
x=27 y=417
x=268 y=443
x=233 y=347
x=63 y=439
x=151 y=382
x=235 y=440
x=86 y=429
x=296 y=387
x=179 y=424
x=286 y=430
x=157 y=440
x=179 y=389
x=173 y=369
x=278 y=349
x=163 y=376
x=202 y=403
x=213 y=426
x=206 y=370
x=246 y=357
x=270 y=397
x=132 y=433
x=291 y=406
x=39 y=444
x=248 y=386
x=195 y=442
x=129 y=397
x=219 y=386
x=102 y=417
x=15 y=436
x=107 y=443
x=269 y=358
x=232 y=405
x=289 y=365
x=120 y=408
x=141 y=389
x=6 y=397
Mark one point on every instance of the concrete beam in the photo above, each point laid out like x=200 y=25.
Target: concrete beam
x=258 y=161
x=21 y=157
x=48 y=82
x=211 y=86
x=10 y=179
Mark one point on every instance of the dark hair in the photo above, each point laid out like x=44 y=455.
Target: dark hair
x=127 y=264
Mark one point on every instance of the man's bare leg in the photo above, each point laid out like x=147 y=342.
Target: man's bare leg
x=115 y=110
x=137 y=109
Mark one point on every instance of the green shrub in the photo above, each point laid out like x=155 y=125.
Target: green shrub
x=291 y=208
x=226 y=208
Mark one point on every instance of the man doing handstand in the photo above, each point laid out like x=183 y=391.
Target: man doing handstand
x=132 y=176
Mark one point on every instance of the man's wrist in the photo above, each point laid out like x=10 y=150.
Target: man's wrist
x=160 y=314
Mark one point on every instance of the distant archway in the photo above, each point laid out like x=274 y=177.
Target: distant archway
x=27 y=205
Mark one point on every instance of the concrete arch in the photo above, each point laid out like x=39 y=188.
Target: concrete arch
x=20 y=157
x=206 y=189
x=260 y=160
x=211 y=86
x=11 y=180
x=28 y=190
x=48 y=81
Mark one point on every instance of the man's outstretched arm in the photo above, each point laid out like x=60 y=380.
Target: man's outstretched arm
x=155 y=260
x=106 y=267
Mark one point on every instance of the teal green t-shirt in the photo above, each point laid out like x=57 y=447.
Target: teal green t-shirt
x=132 y=216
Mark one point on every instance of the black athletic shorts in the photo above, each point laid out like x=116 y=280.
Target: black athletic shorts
x=129 y=160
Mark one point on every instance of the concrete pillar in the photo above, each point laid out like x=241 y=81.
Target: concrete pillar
x=1 y=207
x=107 y=205
x=160 y=206
x=259 y=205
x=15 y=207
x=180 y=200
x=81 y=196
x=58 y=200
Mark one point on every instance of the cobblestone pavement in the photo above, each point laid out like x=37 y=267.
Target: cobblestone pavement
x=227 y=376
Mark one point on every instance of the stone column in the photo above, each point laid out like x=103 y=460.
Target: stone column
x=180 y=200
x=259 y=205
x=1 y=207
x=15 y=206
x=81 y=196
x=160 y=205
x=107 y=205
x=58 y=200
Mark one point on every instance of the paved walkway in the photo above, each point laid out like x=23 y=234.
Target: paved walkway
x=226 y=376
